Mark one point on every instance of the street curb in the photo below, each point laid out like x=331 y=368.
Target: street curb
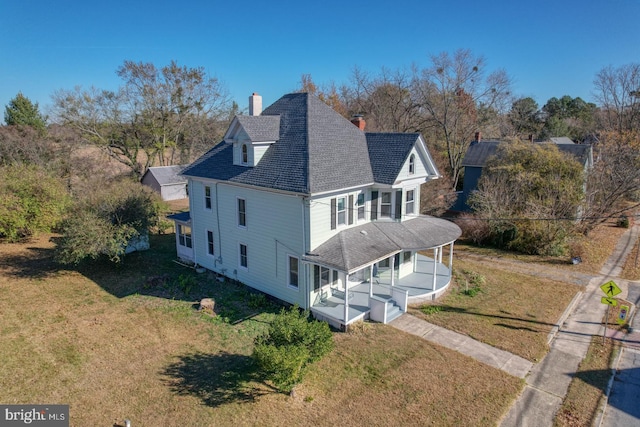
x=567 y=312
x=605 y=401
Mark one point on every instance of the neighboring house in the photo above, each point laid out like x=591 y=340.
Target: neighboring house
x=299 y=203
x=480 y=151
x=167 y=181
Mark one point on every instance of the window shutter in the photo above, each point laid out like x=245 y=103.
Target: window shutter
x=351 y=209
x=333 y=213
x=398 y=204
x=374 y=205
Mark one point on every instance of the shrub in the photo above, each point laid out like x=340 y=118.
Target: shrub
x=31 y=202
x=293 y=341
x=103 y=223
x=474 y=229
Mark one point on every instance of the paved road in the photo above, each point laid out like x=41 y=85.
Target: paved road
x=623 y=407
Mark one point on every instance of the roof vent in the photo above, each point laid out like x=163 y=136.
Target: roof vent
x=363 y=232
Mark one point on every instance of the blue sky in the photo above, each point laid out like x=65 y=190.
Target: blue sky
x=549 y=47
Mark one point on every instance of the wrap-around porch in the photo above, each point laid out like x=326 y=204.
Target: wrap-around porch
x=376 y=299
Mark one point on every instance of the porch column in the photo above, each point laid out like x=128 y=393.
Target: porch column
x=440 y=250
x=346 y=300
x=435 y=264
x=371 y=280
x=450 y=260
x=393 y=271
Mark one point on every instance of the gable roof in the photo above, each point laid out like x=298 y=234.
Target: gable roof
x=479 y=152
x=316 y=150
x=167 y=175
x=260 y=128
x=388 y=153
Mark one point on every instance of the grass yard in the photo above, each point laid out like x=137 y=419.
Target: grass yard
x=125 y=342
x=505 y=309
x=594 y=250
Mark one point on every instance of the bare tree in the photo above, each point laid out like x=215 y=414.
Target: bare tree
x=451 y=93
x=614 y=181
x=156 y=116
x=617 y=90
x=387 y=101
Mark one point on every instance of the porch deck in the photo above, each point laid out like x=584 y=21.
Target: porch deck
x=419 y=284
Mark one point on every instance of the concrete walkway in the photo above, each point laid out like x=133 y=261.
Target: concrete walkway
x=546 y=382
x=514 y=365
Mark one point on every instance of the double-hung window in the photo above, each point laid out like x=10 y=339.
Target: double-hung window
x=245 y=154
x=184 y=236
x=244 y=256
x=294 y=266
x=210 y=245
x=207 y=197
x=341 y=210
x=385 y=204
x=242 y=213
x=410 y=202
x=360 y=205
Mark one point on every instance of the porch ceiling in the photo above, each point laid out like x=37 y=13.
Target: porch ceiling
x=357 y=247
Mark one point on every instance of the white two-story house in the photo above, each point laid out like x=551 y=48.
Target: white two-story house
x=306 y=206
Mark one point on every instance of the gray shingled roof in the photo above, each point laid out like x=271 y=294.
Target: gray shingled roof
x=479 y=152
x=167 y=175
x=388 y=153
x=356 y=247
x=180 y=216
x=261 y=128
x=317 y=150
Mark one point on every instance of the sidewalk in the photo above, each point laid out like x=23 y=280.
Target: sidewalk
x=546 y=382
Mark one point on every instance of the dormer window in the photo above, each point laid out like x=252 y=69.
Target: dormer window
x=412 y=164
x=245 y=154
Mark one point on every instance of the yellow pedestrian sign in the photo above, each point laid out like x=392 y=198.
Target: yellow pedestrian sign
x=610 y=289
x=609 y=301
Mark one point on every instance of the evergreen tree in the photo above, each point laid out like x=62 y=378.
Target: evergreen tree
x=21 y=111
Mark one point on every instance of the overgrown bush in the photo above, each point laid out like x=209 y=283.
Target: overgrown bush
x=293 y=341
x=530 y=194
x=103 y=223
x=31 y=201
x=473 y=229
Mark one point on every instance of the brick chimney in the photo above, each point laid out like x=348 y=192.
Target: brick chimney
x=359 y=121
x=255 y=104
x=478 y=136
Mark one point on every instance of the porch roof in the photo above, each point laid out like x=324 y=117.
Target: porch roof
x=356 y=247
x=180 y=217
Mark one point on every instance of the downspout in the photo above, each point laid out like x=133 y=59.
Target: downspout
x=307 y=297
x=219 y=257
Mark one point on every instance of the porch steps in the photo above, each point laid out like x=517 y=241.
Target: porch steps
x=393 y=311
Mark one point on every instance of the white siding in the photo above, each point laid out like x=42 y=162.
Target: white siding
x=320 y=216
x=274 y=230
x=420 y=169
x=174 y=192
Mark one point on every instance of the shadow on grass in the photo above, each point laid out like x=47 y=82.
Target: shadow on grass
x=216 y=379
x=452 y=309
x=155 y=273
x=31 y=262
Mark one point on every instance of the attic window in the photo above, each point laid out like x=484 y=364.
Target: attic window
x=245 y=154
x=412 y=164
